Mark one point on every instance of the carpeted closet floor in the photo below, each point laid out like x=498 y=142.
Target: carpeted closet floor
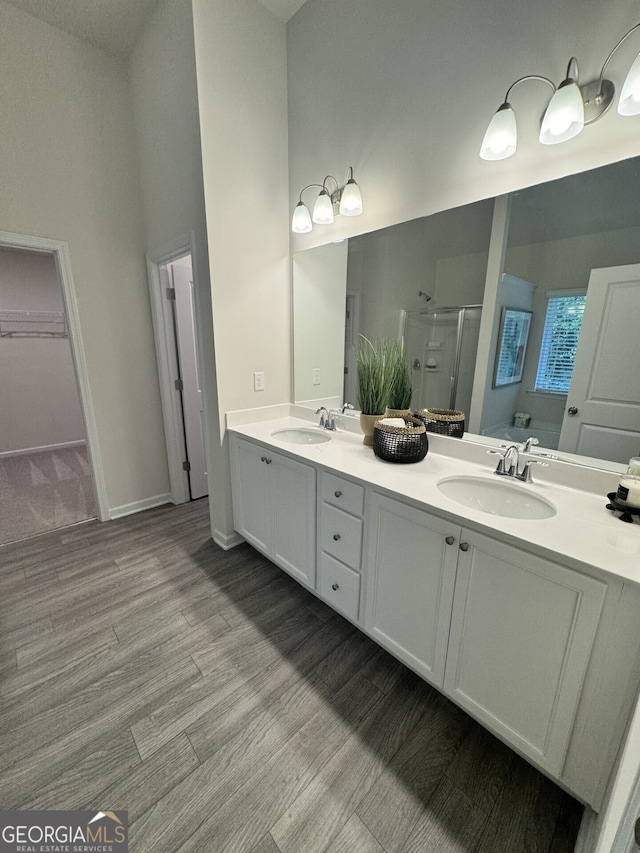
x=43 y=491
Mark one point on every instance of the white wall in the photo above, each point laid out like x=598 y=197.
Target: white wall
x=319 y=297
x=241 y=70
x=38 y=388
x=500 y=403
x=404 y=91
x=242 y=98
x=70 y=173
x=164 y=87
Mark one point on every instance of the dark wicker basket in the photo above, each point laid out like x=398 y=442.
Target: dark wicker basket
x=443 y=421
x=401 y=444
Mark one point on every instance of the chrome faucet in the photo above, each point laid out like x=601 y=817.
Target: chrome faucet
x=509 y=463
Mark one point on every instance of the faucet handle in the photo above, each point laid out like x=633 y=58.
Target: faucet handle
x=530 y=442
x=525 y=474
x=500 y=469
x=346 y=406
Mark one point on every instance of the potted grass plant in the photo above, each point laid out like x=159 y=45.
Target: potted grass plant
x=398 y=380
x=371 y=364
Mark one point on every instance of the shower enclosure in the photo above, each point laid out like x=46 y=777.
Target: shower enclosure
x=440 y=347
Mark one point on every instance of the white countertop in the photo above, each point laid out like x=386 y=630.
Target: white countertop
x=583 y=532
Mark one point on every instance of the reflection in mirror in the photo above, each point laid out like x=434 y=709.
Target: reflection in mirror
x=558 y=233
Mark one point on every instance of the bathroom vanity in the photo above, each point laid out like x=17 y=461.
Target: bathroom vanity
x=529 y=624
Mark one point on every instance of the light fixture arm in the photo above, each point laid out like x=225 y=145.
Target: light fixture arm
x=528 y=77
x=608 y=59
x=308 y=187
x=568 y=75
x=324 y=185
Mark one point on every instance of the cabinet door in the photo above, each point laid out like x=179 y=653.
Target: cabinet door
x=410 y=576
x=252 y=504
x=522 y=631
x=294 y=508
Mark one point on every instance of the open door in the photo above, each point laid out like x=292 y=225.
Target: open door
x=189 y=383
x=602 y=418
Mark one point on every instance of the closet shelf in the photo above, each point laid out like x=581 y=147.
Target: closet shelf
x=33 y=324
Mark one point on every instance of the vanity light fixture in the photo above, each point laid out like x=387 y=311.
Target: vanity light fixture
x=345 y=200
x=571 y=107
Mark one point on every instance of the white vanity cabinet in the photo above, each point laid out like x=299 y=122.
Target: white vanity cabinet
x=543 y=651
x=340 y=532
x=274 y=506
x=411 y=570
x=522 y=633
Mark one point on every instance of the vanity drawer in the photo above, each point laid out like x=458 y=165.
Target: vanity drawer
x=342 y=493
x=341 y=535
x=339 y=586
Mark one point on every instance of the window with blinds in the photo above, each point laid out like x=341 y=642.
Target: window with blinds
x=559 y=342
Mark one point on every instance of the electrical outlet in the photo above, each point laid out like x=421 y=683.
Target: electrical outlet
x=258 y=381
x=315 y=374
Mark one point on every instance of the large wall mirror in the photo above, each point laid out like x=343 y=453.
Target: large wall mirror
x=569 y=257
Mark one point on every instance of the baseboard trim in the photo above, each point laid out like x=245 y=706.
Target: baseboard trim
x=45 y=447
x=139 y=506
x=227 y=541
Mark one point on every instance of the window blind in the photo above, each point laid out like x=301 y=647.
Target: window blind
x=562 y=326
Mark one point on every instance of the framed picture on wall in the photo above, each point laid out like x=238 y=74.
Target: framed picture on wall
x=512 y=346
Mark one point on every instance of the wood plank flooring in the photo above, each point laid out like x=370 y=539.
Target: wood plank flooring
x=230 y=711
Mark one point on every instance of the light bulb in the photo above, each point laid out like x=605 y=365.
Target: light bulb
x=323 y=209
x=501 y=139
x=629 y=103
x=351 y=199
x=564 y=117
x=301 y=220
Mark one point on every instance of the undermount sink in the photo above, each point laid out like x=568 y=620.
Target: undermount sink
x=299 y=435
x=496 y=497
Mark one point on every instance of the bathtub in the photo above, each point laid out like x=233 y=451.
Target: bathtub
x=547 y=434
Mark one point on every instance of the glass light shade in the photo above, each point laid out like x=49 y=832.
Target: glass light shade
x=629 y=103
x=564 y=117
x=501 y=139
x=351 y=199
x=301 y=220
x=323 y=209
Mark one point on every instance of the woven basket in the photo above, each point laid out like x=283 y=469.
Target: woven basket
x=401 y=444
x=443 y=421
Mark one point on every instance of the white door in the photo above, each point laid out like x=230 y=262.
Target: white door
x=602 y=417
x=192 y=406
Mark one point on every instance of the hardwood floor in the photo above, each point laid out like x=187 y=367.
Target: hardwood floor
x=227 y=709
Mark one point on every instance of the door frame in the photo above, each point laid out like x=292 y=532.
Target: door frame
x=60 y=251
x=167 y=358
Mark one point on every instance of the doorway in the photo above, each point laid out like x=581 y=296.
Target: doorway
x=173 y=299
x=46 y=475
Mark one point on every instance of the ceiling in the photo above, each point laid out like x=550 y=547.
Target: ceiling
x=115 y=25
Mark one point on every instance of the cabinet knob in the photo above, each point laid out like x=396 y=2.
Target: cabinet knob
x=263 y=458
x=266 y=460
x=464 y=546
x=450 y=540
x=572 y=410
x=335 y=586
x=338 y=493
x=336 y=536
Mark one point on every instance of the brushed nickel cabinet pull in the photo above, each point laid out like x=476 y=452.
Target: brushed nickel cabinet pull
x=464 y=546
x=335 y=586
x=338 y=493
x=336 y=536
x=450 y=540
